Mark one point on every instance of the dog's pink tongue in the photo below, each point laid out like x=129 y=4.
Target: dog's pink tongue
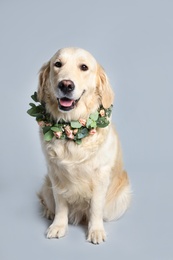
x=65 y=102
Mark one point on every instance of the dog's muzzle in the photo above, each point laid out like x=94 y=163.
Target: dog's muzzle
x=66 y=103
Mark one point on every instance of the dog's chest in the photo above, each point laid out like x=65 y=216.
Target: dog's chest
x=74 y=167
x=73 y=163
x=67 y=152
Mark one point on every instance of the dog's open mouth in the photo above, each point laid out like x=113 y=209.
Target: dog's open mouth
x=66 y=104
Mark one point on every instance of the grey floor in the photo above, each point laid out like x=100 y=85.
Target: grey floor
x=133 y=41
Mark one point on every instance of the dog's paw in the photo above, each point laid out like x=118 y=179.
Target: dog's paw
x=96 y=236
x=56 y=231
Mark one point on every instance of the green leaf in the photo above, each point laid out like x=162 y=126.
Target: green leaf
x=80 y=136
x=102 y=125
x=94 y=116
x=34 y=97
x=32 y=104
x=78 y=141
x=109 y=111
x=89 y=122
x=56 y=129
x=35 y=110
x=82 y=133
x=58 y=125
x=102 y=122
x=48 y=136
x=93 y=124
x=29 y=111
x=75 y=124
x=40 y=117
x=32 y=111
x=46 y=129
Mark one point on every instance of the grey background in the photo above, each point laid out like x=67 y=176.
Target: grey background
x=133 y=40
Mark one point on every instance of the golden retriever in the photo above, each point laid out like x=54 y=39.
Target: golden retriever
x=85 y=181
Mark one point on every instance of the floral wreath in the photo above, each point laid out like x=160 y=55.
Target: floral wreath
x=74 y=130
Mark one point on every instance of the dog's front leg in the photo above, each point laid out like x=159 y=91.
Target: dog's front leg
x=96 y=232
x=60 y=224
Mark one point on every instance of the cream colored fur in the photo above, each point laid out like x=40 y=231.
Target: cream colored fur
x=85 y=181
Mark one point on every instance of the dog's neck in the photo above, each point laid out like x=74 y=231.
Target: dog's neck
x=74 y=130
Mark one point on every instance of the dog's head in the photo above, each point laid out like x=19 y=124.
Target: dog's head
x=73 y=83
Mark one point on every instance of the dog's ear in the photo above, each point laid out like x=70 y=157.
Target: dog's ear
x=104 y=88
x=43 y=81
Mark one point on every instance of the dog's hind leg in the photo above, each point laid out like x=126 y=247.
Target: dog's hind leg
x=118 y=198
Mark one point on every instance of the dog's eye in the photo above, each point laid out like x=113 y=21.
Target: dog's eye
x=58 y=64
x=84 y=67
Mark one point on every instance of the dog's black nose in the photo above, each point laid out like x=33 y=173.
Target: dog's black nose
x=66 y=86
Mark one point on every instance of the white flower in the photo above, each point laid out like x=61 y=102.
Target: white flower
x=58 y=134
x=92 y=131
x=41 y=123
x=70 y=136
x=102 y=112
x=82 y=121
x=68 y=130
x=75 y=131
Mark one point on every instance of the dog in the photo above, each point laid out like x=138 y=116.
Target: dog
x=85 y=181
